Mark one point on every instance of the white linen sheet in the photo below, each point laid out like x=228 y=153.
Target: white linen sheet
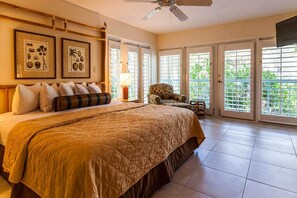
x=8 y=120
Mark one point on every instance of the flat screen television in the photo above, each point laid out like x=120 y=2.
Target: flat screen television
x=286 y=32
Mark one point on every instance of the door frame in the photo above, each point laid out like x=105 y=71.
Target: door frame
x=220 y=84
x=201 y=49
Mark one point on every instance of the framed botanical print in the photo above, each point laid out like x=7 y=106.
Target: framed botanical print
x=76 y=59
x=35 y=55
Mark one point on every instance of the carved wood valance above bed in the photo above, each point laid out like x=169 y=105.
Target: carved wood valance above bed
x=7 y=92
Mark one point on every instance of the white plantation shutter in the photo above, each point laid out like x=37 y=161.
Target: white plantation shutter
x=200 y=74
x=170 y=68
x=114 y=69
x=133 y=69
x=236 y=79
x=279 y=82
x=238 y=83
x=146 y=72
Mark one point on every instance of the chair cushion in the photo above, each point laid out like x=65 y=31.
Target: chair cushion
x=175 y=103
x=163 y=90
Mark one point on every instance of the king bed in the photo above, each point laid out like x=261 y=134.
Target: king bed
x=111 y=150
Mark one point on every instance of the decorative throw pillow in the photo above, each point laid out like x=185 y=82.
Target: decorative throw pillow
x=47 y=94
x=77 y=101
x=66 y=89
x=93 y=88
x=25 y=99
x=80 y=89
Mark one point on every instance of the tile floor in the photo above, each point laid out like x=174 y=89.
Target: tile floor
x=238 y=159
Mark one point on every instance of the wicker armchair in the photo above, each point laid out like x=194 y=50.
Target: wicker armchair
x=162 y=94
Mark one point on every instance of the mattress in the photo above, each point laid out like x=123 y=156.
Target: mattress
x=8 y=120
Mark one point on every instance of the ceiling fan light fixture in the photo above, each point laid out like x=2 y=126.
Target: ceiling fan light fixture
x=172 y=4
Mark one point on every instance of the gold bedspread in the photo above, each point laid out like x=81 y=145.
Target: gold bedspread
x=99 y=152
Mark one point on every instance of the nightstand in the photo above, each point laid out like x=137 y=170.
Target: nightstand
x=131 y=100
x=199 y=107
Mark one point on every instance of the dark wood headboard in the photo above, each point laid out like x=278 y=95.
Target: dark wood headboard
x=7 y=92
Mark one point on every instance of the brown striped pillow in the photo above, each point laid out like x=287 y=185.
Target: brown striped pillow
x=77 y=101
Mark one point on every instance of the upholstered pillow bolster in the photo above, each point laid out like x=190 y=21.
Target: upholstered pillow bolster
x=76 y=101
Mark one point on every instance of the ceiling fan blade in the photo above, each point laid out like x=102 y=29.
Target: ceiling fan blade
x=194 y=2
x=178 y=13
x=152 y=13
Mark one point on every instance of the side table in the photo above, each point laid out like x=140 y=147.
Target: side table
x=199 y=107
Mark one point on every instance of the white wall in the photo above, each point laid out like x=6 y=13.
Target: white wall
x=69 y=11
x=242 y=30
x=126 y=32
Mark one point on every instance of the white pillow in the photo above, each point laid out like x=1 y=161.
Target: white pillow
x=93 y=88
x=47 y=94
x=84 y=84
x=66 y=89
x=25 y=99
x=80 y=89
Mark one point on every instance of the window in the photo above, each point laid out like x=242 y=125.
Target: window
x=170 y=68
x=133 y=69
x=200 y=74
x=114 y=68
x=146 y=72
x=237 y=73
x=126 y=57
x=279 y=80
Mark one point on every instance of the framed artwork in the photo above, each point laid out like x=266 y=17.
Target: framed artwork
x=35 y=55
x=76 y=59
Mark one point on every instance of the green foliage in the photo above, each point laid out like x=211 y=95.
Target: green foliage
x=199 y=80
x=277 y=98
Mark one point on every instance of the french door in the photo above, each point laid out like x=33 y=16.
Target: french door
x=278 y=83
x=236 y=80
x=199 y=75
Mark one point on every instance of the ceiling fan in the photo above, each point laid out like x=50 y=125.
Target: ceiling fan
x=173 y=6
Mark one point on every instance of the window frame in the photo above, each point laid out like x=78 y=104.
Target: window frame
x=170 y=52
x=264 y=117
x=201 y=49
x=143 y=95
x=135 y=49
x=115 y=45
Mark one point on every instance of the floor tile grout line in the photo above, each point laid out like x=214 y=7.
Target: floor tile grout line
x=275 y=150
x=293 y=144
x=260 y=137
x=272 y=186
x=199 y=191
x=192 y=189
x=223 y=171
x=236 y=143
x=232 y=155
x=273 y=165
x=220 y=140
x=248 y=172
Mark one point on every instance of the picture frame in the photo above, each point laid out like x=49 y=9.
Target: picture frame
x=35 y=55
x=76 y=59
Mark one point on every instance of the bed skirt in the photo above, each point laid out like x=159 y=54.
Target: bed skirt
x=148 y=184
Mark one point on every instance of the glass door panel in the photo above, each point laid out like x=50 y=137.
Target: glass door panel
x=236 y=71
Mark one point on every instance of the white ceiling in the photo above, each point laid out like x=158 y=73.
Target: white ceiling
x=221 y=11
